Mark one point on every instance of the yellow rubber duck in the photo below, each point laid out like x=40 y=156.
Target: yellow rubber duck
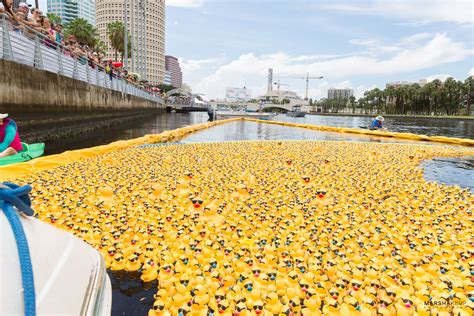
x=149 y=271
x=255 y=228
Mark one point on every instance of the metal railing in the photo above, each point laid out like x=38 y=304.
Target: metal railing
x=24 y=45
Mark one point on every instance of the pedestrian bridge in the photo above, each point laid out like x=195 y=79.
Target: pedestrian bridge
x=269 y=106
x=255 y=106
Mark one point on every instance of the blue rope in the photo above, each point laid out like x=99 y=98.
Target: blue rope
x=13 y=195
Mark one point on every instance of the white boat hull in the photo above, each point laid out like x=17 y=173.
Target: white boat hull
x=296 y=114
x=69 y=275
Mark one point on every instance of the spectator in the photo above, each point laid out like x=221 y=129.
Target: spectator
x=9 y=138
x=23 y=9
x=59 y=35
x=34 y=18
x=7 y=5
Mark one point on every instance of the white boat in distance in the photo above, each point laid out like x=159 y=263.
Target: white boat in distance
x=232 y=114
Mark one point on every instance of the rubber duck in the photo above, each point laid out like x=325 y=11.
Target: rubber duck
x=311 y=307
x=273 y=304
x=404 y=304
x=149 y=271
x=158 y=309
x=261 y=222
x=240 y=309
x=118 y=263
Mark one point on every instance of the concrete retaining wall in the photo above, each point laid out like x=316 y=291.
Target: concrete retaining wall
x=26 y=89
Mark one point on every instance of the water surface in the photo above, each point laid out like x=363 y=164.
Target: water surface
x=463 y=128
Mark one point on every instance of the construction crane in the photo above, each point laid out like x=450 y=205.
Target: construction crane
x=278 y=84
x=307 y=78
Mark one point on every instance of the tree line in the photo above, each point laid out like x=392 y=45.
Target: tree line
x=451 y=97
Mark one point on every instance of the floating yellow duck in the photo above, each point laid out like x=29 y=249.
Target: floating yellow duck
x=278 y=227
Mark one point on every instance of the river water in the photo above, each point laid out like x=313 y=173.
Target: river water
x=463 y=128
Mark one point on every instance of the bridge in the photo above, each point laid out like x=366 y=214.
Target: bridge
x=267 y=107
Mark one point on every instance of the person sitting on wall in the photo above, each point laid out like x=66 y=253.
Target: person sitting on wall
x=9 y=137
x=377 y=123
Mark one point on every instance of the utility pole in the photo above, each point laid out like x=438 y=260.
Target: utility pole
x=125 y=34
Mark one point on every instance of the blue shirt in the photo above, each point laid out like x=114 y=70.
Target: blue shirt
x=376 y=124
x=10 y=133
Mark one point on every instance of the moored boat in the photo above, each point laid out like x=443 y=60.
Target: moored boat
x=296 y=112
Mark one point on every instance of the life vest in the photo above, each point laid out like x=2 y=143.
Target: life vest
x=16 y=143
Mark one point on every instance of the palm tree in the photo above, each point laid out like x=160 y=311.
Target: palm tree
x=452 y=90
x=53 y=18
x=99 y=46
x=352 y=100
x=468 y=91
x=115 y=32
x=437 y=94
x=84 y=32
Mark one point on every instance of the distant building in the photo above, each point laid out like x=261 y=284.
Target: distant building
x=167 y=77
x=172 y=65
x=270 y=80
x=397 y=84
x=146 y=26
x=340 y=93
x=69 y=10
x=238 y=94
x=290 y=98
x=422 y=82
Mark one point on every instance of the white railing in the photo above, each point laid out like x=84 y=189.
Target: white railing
x=27 y=46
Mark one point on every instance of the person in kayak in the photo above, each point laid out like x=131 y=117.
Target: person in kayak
x=377 y=123
x=9 y=137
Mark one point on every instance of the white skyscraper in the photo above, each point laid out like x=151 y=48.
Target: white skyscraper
x=69 y=10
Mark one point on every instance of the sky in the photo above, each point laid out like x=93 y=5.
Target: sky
x=358 y=44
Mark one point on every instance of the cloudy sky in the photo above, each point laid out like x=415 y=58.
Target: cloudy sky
x=359 y=44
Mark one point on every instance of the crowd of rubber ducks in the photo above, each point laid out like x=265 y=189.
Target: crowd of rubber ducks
x=274 y=228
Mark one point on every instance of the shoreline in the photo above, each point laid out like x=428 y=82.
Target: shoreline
x=471 y=117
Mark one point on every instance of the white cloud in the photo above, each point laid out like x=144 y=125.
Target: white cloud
x=416 y=11
x=189 y=65
x=375 y=46
x=441 y=77
x=185 y=3
x=250 y=70
x=471 y=72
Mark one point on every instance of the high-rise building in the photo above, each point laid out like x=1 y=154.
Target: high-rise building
x=69 y=10
x=146 y=26
x=340 y=93
x=167 y=77
x=270 y=80
x=172 y=65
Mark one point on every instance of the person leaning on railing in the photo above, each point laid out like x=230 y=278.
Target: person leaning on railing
x=8 y=8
